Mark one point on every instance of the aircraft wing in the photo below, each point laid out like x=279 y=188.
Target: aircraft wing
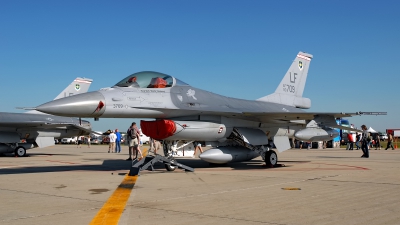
x=306 y=115
x=33 y=124
x=85 y=129
x=265 y=116
x=27 y=124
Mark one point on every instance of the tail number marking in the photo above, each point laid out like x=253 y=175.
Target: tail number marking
x=118 y=106
x=289 y=88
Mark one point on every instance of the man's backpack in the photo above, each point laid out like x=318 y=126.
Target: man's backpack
x=131 y=133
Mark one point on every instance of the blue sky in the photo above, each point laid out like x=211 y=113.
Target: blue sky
x=240 y=49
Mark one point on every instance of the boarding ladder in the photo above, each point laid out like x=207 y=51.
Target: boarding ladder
x=150 y=160
x=238 y=138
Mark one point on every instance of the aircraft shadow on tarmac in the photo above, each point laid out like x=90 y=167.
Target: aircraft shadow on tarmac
x=37 y=154
x=115 y=165
x=336 y=157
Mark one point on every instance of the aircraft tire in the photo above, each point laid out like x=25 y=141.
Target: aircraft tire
x=170 y=167
x=271 y=158
x=20 y=151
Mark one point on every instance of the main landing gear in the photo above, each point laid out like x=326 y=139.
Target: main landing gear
x=271 y=158
x=20 y=151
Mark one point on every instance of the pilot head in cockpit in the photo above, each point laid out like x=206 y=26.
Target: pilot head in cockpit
x=132 y=82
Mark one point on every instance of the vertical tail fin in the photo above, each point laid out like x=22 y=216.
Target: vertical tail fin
x=290 y=90
x=78 y=86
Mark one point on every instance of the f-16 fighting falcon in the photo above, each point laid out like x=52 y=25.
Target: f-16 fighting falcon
x=235 y=129
x=38 y=129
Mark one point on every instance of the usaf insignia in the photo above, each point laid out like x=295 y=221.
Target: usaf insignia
x=77 y=87
x=300 y=65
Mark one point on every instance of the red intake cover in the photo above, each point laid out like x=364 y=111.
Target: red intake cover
x=158 y=129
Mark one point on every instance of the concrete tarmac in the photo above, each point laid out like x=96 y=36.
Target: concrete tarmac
x=68 y=185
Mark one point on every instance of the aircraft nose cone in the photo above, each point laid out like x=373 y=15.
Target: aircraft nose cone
x=91 y=104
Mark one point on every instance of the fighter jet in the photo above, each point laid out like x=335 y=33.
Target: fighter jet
x=37 y=129
x=235 y=129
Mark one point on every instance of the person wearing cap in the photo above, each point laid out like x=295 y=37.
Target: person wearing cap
x=117 y=141
x=112 y=138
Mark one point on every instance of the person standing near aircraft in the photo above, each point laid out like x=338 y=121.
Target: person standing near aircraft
x=80 y=141
x=112 y=138
x=365 y=142
x=155 y=145
x=350 y=141
x=88 y=141
x=377 y=141
x=133 y=140
x=117 y=141
x=390 y=142
x=358 y=139
x=198 y=146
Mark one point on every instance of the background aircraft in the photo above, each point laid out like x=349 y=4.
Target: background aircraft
x=236 y=129
x=38 y=129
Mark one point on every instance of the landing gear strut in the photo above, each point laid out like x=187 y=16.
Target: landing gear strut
x=168 y=150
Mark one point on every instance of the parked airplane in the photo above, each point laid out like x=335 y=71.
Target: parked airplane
x=38 y=129
x=236 y=129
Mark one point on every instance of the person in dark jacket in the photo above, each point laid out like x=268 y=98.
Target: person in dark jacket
x=365 y=142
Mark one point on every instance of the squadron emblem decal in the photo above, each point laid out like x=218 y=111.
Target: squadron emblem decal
x=300 y=65
x=77 y=87
x=191 y=93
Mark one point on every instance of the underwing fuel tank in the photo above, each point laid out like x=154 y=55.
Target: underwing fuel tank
x=316 y=134
x=184 y=130
x=227 y=154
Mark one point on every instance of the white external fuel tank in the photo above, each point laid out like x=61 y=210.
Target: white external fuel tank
x=172 y=130
x=316 y=134
x=227 y=154
x=199 y=130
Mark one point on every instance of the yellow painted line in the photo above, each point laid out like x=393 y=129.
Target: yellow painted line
x=145 y=152
x=112 y=210
x=291 y=189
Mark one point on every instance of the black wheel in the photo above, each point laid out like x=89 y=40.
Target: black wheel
x=170 y=167
x=271 y=158
x=20 y=151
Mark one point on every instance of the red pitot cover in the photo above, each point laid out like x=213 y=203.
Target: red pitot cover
x=158 y=129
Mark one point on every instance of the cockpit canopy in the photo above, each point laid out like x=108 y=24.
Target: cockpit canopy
x=149 y=79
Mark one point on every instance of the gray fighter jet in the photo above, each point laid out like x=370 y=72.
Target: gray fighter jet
x=37 y=129
x=235 y=129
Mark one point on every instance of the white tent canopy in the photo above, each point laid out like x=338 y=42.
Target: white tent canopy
x=370 y=130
